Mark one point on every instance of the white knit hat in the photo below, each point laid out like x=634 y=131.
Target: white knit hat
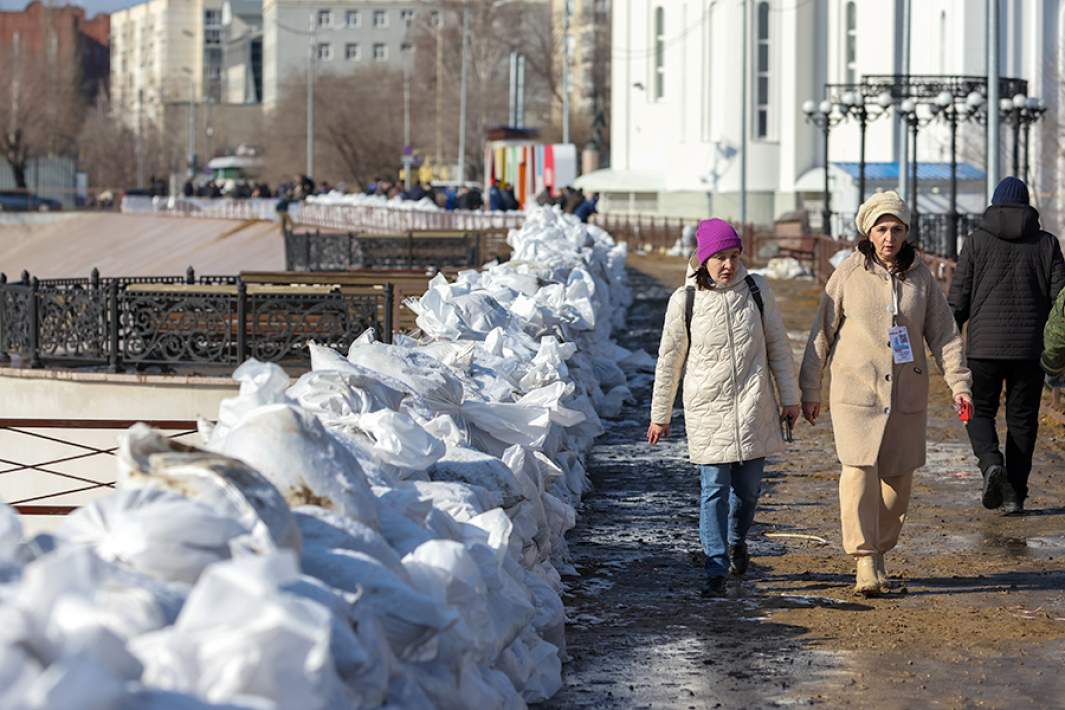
x=877 y=206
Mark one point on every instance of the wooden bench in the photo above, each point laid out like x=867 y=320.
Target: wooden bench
x=405 y=284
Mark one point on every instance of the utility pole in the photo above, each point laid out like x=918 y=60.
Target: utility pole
x=312 y=57
x=907 y=14
x=519 y=106
x=464 y=82
x=565 y=70
x=993 y=124
x=407 y=157
x=439 y=93
x=190 y=132
x=744 y=119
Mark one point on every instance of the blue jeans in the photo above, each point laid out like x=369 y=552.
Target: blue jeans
x=726 y=508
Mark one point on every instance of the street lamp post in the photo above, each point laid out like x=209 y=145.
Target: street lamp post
x=955 y=112
x=1034 y=110
x=821 y=115
x=852 y=103
x=910 y=109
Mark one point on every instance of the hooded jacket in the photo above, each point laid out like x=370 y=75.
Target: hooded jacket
x=1008 y=275
x=730 y=410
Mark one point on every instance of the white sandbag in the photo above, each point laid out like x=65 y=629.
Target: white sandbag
x=260 y=383
x=160 y=533
x=399 y=441
x=292 y=449
x=332 y=372
x=839 y=257
x=411 y=619
x=326 y=529
x=461 y=501
x=473 y=467
x=239 y=635
x=421 y=375
x=509 y=422
x=230 y=487
x=551 y=397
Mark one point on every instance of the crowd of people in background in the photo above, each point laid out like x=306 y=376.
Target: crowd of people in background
x=501 y=195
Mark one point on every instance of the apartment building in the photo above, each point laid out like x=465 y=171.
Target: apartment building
x=341 y=35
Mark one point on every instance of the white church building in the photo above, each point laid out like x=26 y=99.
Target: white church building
x=677 y=89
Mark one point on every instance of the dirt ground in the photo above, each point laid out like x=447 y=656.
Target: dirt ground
x=980 y=623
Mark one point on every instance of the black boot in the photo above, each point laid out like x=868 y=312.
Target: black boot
x=739 y=558
x=1012 y=504
x=713 y=587
x=994 y=484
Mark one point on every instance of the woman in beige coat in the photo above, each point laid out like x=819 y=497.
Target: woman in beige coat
x=879 y=309
x=734 y=340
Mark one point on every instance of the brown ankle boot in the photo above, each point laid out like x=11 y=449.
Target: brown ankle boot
x=866 y=582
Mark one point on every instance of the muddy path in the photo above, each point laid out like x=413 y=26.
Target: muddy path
x=981 y=622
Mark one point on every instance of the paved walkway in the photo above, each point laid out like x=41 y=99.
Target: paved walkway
x=982 y=624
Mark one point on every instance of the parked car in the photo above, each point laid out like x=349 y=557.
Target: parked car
x=18 y=201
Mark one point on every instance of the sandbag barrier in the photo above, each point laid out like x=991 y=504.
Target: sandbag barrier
x=387 y=531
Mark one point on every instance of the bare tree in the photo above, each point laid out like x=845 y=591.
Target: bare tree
x=41 y=108
x=358 y=131
x=108 y=147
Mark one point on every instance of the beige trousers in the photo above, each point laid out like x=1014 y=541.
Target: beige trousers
x=872 y=509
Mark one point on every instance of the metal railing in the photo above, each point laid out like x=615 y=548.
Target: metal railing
x=318 y=251
x=644 y=231
x=930 y=232
x=388 y=218
x=179 y=321
x=380 y=218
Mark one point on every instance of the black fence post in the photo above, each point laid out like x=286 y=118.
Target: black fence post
x=242 y=321
x=190 y=275
x=113 y=324
x=3 y=319
x=307 y=249
x=390 y=297
x=410 y=249
x=35 y=326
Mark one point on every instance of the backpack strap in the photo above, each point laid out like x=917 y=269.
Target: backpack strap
x=689 y=309
x=756 y=293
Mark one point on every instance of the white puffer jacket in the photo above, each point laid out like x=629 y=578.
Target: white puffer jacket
x=730 y=411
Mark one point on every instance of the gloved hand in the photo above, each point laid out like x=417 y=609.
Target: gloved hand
x=1055 y=381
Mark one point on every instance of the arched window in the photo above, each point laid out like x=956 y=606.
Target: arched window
x=761 y=73
x=660 y=52
x=851 y=49
x=943 y=42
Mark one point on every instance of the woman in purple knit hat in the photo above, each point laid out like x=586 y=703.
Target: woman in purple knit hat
x=724 y=332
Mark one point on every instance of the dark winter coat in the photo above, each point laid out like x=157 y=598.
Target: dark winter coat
x=1009 y=273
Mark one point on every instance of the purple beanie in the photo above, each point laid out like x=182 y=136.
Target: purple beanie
x=714 y=235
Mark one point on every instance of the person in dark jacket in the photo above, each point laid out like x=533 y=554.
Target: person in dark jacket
x=1009 y=274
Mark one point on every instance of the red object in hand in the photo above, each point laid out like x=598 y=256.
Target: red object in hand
x=965 y=413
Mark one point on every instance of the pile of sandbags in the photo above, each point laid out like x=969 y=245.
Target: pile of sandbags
x=386 y=531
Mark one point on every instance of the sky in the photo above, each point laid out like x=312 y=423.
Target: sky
x=92 y=7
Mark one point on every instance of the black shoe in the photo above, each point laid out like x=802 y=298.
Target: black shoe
x=713 y=587
x=1012 y=504
x=994 y=482
x=739 y=558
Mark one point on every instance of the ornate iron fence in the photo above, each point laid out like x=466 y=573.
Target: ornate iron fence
x=930 y=233
x=173 y=321
x=317 y=251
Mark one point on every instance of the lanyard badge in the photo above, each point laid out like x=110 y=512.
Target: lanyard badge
x=898 y=335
